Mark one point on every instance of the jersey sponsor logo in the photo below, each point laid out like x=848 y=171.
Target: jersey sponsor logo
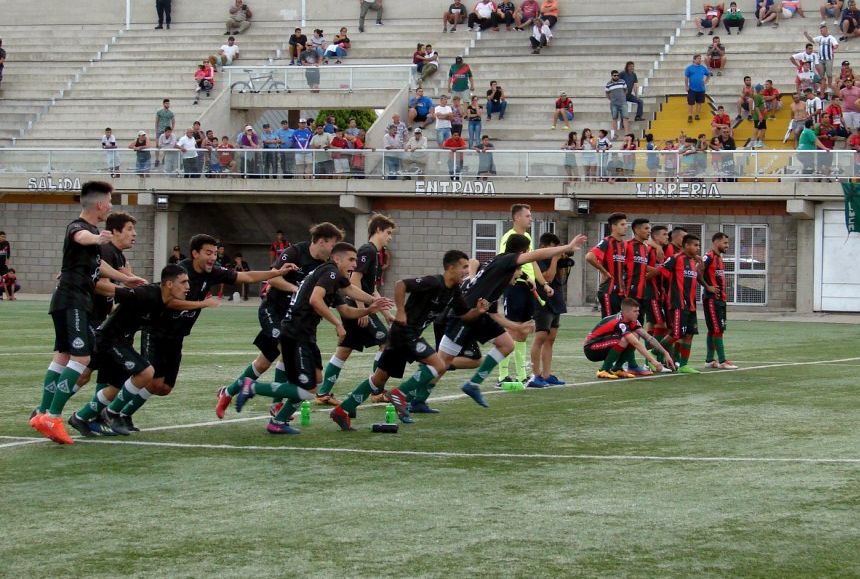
x=129 y=365
x=304 y=379
x=691 y=273
x=419 y=347
x=77 y=343
x=380 y=335
x=641 y=259
x=333 y=275
x=276 y=333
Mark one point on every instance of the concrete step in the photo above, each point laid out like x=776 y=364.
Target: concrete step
x=585 y=50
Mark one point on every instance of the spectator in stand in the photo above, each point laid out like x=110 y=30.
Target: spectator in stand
x=109 y=145
x=628 y=75
x=318 y=42
x=603 y=146
x=298 y=43
x=239 y=19
x=271 y=144
x=5 y=253
x=831 y=9
x=164 y=117
x=459 y=112
x=798 y=118
x=226 y=54
x=767 y=11
x=806 y=55
x=720 y=121
x=790 y=7
x=759 y=114
x=845 y=72
x=505 y=13
x=2 y=59
x=443 y=114
x=849 y=23
x=834 y=109
x=357 y=159
x=808 y=141
x=287 y=159
x=419 y=109
x=733 y=19
x=162 y=9
x=320 y=144
x=814 y=106
x=496 y=101
x=460 y=81
x=339 y=161
x=474 y=113
x=572 y=144
x=484 y=15
x=711 y=20
x=541 y=34
x=310 y=60
x=226 y=158
x=415 y=158
x=456 y=145
x=249 y=142
x=716 y=54
x=402 y=129
x=454 y=15
x=143 y=157
x=549 y=12
x=330 y=125
x=652 y=160
x=772 y=99
x=279 y=244
x=188 y=145
x=588 y=145
x=431 y=63
x=391 y=143
x=727 y=143
x=200 y=141
x=616 y=92
x=806 y=79
x=167 y=153
x=364 y=7
x=524 y=17
x=628 y=159
x=563 y=111
x=239 y=264
x=302 y=142
x=10 y=285
x=827 y=45
x=204 y=79
x=695 y=81
x=745 y=102
x=338 y=47
x=352 y=127
x=486 y=165
x=210 y=144
x=849 y=96
x=854 y=144
x=176 y=256
x=418 y=57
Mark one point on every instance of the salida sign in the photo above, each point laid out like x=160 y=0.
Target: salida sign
x=678 y=190
x=49 y=183
x=455 y=187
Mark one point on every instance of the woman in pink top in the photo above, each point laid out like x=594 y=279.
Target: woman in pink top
x=549 y=11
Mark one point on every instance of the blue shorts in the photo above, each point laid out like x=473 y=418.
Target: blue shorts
x=618 y=112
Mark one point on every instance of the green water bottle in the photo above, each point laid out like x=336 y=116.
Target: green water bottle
x=306 y=413
x=390 y=414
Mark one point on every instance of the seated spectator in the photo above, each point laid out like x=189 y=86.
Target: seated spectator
x=563 y=111
x=628 y=75
x=226 y=54
x=420 y=109
x=541 y=35
x=549 y=12
x=733 y=19
x=318 y=42
x=772 y=99
x=484 y=15
x=486 y=165
x=204 y=78
x=849 y=22
x=790 y=7
x=505 y=13
x=711 y=20
x=524 y=17
x=143 y=157
x=745 y=102
x=720 y=121
x=831 y=9
x=415 y=158
x=431 y=62
x=226 y=159
x=418 y=58
x=496 y=101
x=454 y=15
x=167 y=147
x=456 y=145
x=845 y=72
x=338 y=47
x=298 y=43
x=10 y=285
x=310 y=60
x=767 y=11
x=240 y=18
x=716 y=56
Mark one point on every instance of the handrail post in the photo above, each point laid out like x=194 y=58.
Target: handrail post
x=127 y=14
x=351 y=78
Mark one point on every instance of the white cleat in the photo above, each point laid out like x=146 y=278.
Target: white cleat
x=712 y=364
x=727 y=366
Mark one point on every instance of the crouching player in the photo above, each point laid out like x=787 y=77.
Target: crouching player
x=714 y=302
x=614 y=339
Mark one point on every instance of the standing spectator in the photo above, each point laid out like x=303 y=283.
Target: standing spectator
x=456 y=145
x=249 y=142
x=176 y=256
x=143 y=157
x=588 y=144
x=338 y=47
x=357 y=160
x=798 y=118
x=563 y=111
x=827 y=45
x=288 y=161
x=628 y=160
x=745 y=102
x=808 y=141
x=5 y=253
x=496 y=101
x=759 y=115
x=806 y=55
x=167 y=151
x=226 y=54
x=628 y=75
x=695 y=79
x=200 y=142
x=474 y=113
x=352 y=127
x=505 y=13
x=302 y=141
x=2 y=59
x=459 y=112
x=384 y=257
x=414 y=158
x=402 y=129
x=652 y=159
x=604 y=144
x=711 y=21
x=460 y=81
x=454 y=15
x=320 y=143
x=298 y=44
x=239 y=264
x=541 y=34
x=443 y=114
x=204 y=79
x=226 y=158
x=431 y=63
x=525 y=16
x=162 y=9
x=239 y=19
x=486 y=165
x=572 y=144
x=109 y=145
x=484 y=15
x=271 y=144
x=391 y=143
x=339 y=161
x=849 y=96
x=365 y=6
x=164 y=117
x=716 y=54
x=834 y=109
x=310 y=60
x=279 y=244
x=814 y=106
x=210 y=144
x=330 y=125
x=188 y=146
x=727 y=143
x=549 y=12
x=616 y=92
x=733 y=19
x=772 y=99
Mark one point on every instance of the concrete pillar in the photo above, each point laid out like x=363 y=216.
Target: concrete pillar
x=576 y=282
x=805 y=287
x=165 y=236
x=361 y=220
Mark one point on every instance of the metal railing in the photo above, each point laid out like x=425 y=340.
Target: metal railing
x=339 y=77
x=727 y=166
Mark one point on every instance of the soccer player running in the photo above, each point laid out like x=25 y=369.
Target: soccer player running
x=608 y=258
x=319 y=291
x=614 y=339
x=428 y=297
x=365 y=332
x=684 y=272
x=714 y=302
x=72 y=307
x=640 y=260
x=119 y=362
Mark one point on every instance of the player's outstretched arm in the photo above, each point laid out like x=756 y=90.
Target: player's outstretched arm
x=264 y=275
x=175 y=304
x=112 y=274
x=655 y=344
x=281 y=284
x=549 y=252
x=87 y=238
x=518 y=330
x=400 y=302
x=355 y=292
x=351 y=313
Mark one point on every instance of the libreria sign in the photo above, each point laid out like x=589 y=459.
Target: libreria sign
x=678 y=190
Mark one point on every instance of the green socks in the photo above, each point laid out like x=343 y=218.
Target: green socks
x=709 y=357
x=280 y=375
x=490 y=361
x=49 y=385
x=249 y=372
x=721 y=348
x=626 y=357
x=331 y=374
x=357 y=396
x=91 y=409
x=129 y=391
x=65 y=386
x=421 y=378
x=612 y=358
x=136 y=402
x=279 y=390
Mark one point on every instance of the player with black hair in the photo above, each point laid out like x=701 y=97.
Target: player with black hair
x=608 y=258
x=714 y=302
x=684 y=273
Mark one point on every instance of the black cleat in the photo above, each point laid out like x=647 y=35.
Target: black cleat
x=115 y=422
x=81 y=426
x=421 y=408
x=129 y=424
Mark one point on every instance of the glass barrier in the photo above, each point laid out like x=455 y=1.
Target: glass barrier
x=350 y=78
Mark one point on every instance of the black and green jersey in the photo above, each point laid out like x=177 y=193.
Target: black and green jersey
x=136 y=308
x=428 y=298
x=300 y=255
x=367 y=264
x=491 y=280
x=79 y=272
x=178 y=323
x=113 y=256
x=301 y=320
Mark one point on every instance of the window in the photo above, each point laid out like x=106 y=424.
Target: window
x=486 y=234
x=746 y=264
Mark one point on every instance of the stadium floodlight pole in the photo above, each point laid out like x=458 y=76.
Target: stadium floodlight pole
x=128 y=14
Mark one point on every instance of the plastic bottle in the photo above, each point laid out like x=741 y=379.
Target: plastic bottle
x=306 y=413
x=390 y=414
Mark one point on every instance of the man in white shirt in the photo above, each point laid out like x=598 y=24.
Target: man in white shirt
x=415 y=158
x=391 y=143
x=109 y=144
x=443 y=113
x=827 y=45
x=167 y=143
x=808 y=55
x=484 y=15
x=402 y=129
x=226 y=54
x=188 y=145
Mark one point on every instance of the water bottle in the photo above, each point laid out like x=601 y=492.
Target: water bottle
x=390 y=414
x=306 y=413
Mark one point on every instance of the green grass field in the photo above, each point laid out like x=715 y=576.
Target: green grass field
x=747 y=473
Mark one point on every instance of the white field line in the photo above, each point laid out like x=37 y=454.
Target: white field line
x=20 y=441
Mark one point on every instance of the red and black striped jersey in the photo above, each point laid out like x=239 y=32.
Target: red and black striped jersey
x=638 y=256
x=683 y=281
x=612 y=326
x=610 y=254
x=714 y=274
x=666 y=278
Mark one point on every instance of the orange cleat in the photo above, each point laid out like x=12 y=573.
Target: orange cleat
x=54 y=428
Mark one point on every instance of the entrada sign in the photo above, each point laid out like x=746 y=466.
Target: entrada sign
x=678 y=190
x=455 y=187
x=54 y=184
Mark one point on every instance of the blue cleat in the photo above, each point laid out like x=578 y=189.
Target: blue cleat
x=406 y=419
x=537 y=382
x=245 y=394
x=281 y=428
x=554 y=381
x=421 y=408
x=473 y=391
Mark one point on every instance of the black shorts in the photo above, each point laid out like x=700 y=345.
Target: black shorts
x=694 y=97
x=117 y=362
x=419 y=117
x=715 y=316
x=471 y=350
x=761 y=125
x=654 y=313
x=302 y=362
x=404 y=347
x=270 y=331
x=165 y=355
x=73 y=332
x=610 y=304
x=682 y=323
x=358 y=338
x=597 y=350
x=519 y=302
x=458 y=334
x=546 y=319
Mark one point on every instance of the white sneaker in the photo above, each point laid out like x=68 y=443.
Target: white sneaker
x=666 y=370
x=727 y=366
x=712 y=364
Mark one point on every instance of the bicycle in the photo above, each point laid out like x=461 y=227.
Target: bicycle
x=252 y=84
